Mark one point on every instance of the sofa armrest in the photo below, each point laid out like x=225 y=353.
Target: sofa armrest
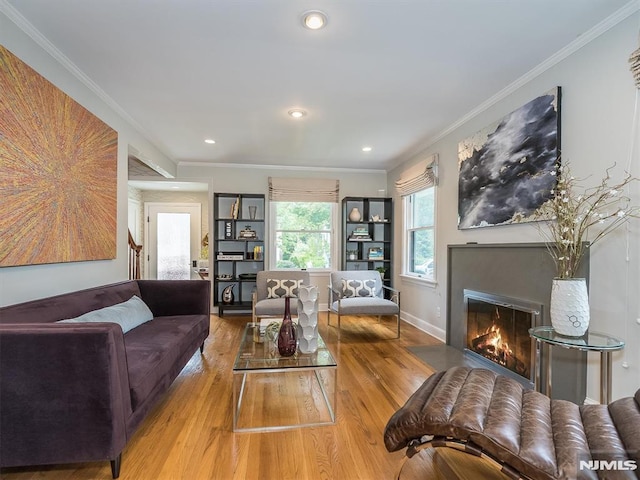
x=64 y=391
x=176 y=297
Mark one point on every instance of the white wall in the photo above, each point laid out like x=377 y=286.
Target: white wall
x=24 y=283
x=597 y=112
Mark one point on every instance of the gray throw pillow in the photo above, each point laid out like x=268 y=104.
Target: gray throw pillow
x=358 y=288
x=129 y=315
x=277 y=288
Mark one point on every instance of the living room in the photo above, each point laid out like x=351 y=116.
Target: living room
x=599 y=129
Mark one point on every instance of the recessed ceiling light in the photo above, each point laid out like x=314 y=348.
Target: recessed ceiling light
x=314 y=19
x=210 y=141
x=366 y=149
x=296 y=113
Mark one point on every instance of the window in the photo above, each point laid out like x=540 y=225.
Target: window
x=419 y=209
x=303 y=235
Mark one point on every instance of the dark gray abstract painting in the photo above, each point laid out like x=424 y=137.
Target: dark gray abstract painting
x=505 y=169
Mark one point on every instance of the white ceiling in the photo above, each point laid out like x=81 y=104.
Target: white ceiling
x=391 y=74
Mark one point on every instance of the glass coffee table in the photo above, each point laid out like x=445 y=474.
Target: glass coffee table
x=272 y=393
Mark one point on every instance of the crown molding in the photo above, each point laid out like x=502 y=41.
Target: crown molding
x=279 y=167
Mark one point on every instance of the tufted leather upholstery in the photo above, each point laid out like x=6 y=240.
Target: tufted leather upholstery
x=537 y=437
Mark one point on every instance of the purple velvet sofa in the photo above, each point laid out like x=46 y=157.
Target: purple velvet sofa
x=76 y=392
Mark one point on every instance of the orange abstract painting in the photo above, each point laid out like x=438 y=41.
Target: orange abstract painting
x=58 y=173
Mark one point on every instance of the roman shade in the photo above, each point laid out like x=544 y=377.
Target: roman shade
x=420 y=176
x=304 y=189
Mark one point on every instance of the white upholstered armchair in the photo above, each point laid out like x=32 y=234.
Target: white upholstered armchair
x=361 y=292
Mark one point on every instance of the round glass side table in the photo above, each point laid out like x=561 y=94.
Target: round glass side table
x=546 y=336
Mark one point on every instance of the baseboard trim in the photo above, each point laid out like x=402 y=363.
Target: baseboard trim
x=425 y=326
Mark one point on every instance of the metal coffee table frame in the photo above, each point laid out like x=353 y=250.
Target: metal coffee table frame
x=253 y=359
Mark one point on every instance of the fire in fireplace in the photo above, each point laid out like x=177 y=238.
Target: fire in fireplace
x=498 y=331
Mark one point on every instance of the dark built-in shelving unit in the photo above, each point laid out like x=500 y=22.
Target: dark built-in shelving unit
x=368 y=243
x=236 y=257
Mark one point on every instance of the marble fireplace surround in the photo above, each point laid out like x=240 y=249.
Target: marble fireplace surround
x=517 y=270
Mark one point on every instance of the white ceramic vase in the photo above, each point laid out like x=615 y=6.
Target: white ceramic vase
x=308 y=318
x=570 y=306
x=355 y=215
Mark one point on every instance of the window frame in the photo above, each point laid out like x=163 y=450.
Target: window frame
x=273 y=232
x=408 y=227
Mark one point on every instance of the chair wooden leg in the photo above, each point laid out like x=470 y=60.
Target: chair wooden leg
x=398 y=325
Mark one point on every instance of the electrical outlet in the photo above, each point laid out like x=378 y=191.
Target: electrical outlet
x=438 y=312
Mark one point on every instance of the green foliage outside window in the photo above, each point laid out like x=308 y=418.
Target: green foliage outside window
x=303 y=235
x=421 y=233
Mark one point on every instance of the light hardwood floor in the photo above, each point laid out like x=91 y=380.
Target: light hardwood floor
x=189 y=434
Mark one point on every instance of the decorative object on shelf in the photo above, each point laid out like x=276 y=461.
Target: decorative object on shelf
x=381 y=271
x=224 y=276
x=227 y=294
x=375 y=218
x=258 y=252
x=569 y=306
x=352 y=254
x=355 y=215
x=247 y=233
x=569 y=215
x=375 y=253
x=228 y=229
x=308 y=318
x=287 y=342
x=252 y=212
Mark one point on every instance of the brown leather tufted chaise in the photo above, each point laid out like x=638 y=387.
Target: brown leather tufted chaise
x=521 y=431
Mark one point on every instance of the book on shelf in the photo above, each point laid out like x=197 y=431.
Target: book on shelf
x=375 y=253
x=236 y=207
x=360 y=234
x=230 y=256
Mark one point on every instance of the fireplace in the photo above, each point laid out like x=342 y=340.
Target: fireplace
x=497 y=333
x=514 y=271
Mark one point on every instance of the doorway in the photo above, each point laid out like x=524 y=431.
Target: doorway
x=173 y=238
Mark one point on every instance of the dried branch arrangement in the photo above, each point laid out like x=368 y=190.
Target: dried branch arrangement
x=573 y=211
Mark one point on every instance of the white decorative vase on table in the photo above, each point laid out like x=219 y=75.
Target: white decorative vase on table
x=569 y=306
x=308 y=318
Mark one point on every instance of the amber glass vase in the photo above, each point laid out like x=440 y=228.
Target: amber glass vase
x=287 y=337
